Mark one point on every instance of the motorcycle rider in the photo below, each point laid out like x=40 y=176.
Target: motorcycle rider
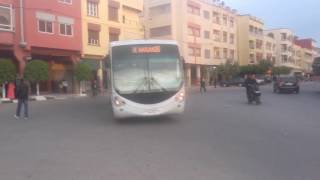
x=249 y=83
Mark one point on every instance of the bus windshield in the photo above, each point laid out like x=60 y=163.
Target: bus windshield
x=139 y=70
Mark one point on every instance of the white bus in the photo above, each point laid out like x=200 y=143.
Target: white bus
x=147 y=78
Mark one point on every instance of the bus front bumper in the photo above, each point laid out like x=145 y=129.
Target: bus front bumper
x=127 y=111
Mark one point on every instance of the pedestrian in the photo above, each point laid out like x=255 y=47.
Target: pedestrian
x=94 y=88
x=202 y=86
x=23 y=97
x=65 y=86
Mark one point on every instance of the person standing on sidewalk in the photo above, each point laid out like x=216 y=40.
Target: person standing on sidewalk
x=65 y=86
x=94 y=87
x=202 y=86
x=23 y=97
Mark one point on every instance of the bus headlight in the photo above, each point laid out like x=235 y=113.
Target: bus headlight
x=180 y=97
x=118 y=102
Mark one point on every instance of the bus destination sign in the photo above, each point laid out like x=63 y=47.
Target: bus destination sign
x=146 y=50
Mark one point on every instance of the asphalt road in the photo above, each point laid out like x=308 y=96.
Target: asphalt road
x=219 y=137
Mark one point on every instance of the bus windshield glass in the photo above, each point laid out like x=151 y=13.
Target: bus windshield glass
x=146 y=69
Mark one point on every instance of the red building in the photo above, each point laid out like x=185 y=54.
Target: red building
x=47 y=30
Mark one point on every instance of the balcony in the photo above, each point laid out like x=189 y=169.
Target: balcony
x=134 y=4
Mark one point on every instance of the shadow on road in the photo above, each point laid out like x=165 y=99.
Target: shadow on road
x=161 y=120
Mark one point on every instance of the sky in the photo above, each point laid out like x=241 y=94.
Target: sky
x=301 y=16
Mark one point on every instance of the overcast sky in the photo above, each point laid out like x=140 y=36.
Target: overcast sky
x=301 y=16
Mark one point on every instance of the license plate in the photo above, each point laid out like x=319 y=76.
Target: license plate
x=151 y=111
x=289 y=84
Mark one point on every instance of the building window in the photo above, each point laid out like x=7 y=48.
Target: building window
x=284 y=47
x=216 y=53
x=284 y=58
x=159 y=10
x=93 y=37
x=251 y=44
x=225 y=20
x=225 y=53
x=93 y=8
x=259 y=44
x=232 y=54
x=251 y=29
x=283 y=36
x=192 y=31
x=6 y=17
x=207 y=34
x=113 y=37
x=216 y=17
x=194 y=10
x=160 y=31
x=66 y=29
x=66 y=1
x=113 y=13
x=206 y=14
x=231 y=38
x=216 y=34
x=207 y=53
x=45 y=26
x=193 y=51
x=259 y=56
x=231 y=22
x=251 y=58
x=225 y=37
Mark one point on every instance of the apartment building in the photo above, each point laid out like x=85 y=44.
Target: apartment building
x=107 y=21
x=284 y=48
x=251 y=40
x=44 y=30
x=205 y=30
x=269 y=48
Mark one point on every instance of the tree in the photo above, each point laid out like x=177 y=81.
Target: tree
x=7 y=74
x=82 y=72
x=282 y=70
x=228 y=70
x=265 y=66
x=37 y=71
x=251 y=69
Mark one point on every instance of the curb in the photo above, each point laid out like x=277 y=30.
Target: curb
x=41 y=98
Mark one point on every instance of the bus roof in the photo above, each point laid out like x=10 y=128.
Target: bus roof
x=149 y=41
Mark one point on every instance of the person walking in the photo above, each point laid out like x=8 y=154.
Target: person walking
x=65 y=86
x=202 y=86
x=94 y=88
x=215 y=82
x=23 y=97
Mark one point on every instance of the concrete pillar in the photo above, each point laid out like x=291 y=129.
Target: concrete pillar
x=198 y=73
x=188 y=76
x=100 y=77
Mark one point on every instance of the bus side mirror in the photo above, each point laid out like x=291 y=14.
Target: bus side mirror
x=108 y=63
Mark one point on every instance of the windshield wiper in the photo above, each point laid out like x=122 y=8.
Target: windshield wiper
x=144 y=82
x=154 y=81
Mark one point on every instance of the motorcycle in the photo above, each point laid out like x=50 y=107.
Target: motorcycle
x=254 y=94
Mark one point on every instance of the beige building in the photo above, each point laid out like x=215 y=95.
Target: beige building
x=284 y=39
x=269 y=48
x=250 y=40
x=105 y=21
x=206 y=32
x=307 y=60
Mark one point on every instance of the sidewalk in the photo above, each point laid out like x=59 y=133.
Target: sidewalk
x=47 y=97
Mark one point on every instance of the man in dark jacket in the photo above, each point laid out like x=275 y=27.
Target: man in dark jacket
x=23 y=97
x=202 y=86
x=250 y=81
